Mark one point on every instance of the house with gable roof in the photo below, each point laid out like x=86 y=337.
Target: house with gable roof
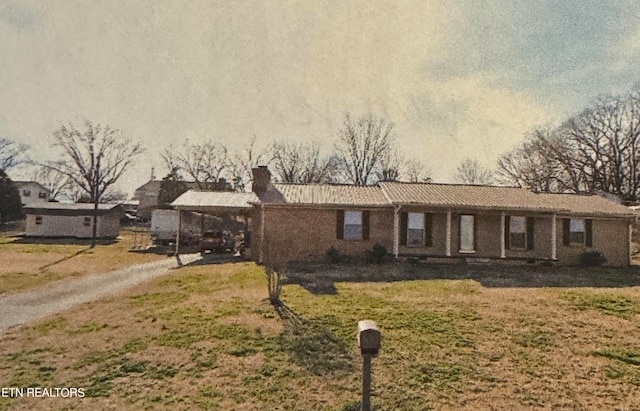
x=444 y=221
x=32 y=192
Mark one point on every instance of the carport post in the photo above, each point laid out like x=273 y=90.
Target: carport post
x=177 y=254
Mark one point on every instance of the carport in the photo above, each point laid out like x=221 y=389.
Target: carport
x=216 y=203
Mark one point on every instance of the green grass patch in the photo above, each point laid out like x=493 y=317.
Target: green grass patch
x=314 y=347
x=57 y=323
x=86 y=328
x=158 y=300
x=624 y=365
x=536 y=338
x=627 y=357
x=609 y=304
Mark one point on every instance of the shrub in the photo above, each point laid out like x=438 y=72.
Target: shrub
x=377 y=254
x=635 y=248
x=592 y=259
x=334 y=255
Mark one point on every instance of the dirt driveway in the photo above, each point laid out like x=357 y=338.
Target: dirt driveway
x=24 y=307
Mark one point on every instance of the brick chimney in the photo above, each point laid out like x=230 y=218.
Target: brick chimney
x=261 y=178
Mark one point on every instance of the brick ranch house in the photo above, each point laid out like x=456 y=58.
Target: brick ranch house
x=436 y=221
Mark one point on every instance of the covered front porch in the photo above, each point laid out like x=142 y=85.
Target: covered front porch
x=480 y=234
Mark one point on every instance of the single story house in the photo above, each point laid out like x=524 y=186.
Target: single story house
x=147 y=194
x=72 y=220
x=444 y=221
x=32 y=192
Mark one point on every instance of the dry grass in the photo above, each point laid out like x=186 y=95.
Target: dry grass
x=205 y=337
x=30 y=263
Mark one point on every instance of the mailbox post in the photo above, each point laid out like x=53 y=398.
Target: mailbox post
x=369 y=343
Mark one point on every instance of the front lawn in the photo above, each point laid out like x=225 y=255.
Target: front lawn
x=28 y=263
x=206 y=337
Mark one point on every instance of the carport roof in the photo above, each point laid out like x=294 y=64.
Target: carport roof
x=214 y=201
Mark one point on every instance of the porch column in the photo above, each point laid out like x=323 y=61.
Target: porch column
x=630 y=229
x=502 y=232
x=396 y=229
x=177 y=253
x=553 y=237
x=448 y=235
x=262 y=233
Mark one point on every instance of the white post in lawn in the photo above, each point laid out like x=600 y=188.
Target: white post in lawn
x=396 y=223
x=553 y=237
x=448 y=235
x=502 y=232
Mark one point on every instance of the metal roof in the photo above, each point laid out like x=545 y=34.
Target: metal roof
x=200 y=200
x=69 y=206
x=323 y=194
x=499 y=198
x=69 y=209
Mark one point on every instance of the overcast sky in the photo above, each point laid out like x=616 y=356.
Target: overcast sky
x=458 y=78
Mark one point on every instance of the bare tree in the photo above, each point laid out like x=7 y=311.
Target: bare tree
x=532 y=165
x=244 y=160
x=362 y=143
x=390 y=166
x=470 y=171
x=415 y=171
x=97 y=157
x=11 y=153
x=204 y=163
x=596 y=150
x=55 y=181
x=302 y=163
x=605 y=141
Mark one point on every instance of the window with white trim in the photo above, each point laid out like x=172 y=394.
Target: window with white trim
x=87 y=221
x=517 y=232
x=26 y=193
x=576 y=231
x=467 y=233
x=353 y=225
x=38 y=219
x=415 y=229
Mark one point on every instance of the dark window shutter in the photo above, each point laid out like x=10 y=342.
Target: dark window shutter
x=566 y=227
x=366 y=215
x=340 y=225
x=507 y=232
x=404 y=223
x=475 y=233
x=588 y=235
x=428 y=223
x=530 y=241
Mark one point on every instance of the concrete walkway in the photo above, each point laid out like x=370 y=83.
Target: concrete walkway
x=49 y=299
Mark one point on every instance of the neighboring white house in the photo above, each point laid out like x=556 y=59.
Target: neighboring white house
x=72 y=220
x=32 y=192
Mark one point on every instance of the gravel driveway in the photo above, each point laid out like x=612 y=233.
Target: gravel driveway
x=24 y=307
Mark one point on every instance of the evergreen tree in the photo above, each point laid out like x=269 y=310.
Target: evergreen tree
x=10 y=203
x=171 y=187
